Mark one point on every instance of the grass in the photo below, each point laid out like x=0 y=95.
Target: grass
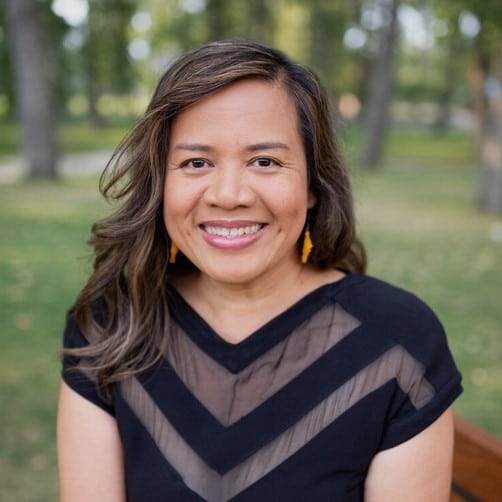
x=415 y=215
x=73 y=137
x=43 y=228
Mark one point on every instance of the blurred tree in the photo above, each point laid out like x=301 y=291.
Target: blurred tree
x=291 y=28
x=453 y=63
x=33 y=71
x=486 y=81
x=55 y=29
x=174 y=28
x=106 y=64
x=217 y=19
x=490 y=187
x=451 y=75
x=260 y=25
x=249 y=20
x=475 y=41
x=376 y=113
x=328 y=22
x=182 y=25
x=6 y=81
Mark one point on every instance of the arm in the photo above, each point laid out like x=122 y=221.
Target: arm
x=89 y=451
x=417 y=470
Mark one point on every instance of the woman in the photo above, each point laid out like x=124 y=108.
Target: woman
x=214 y=354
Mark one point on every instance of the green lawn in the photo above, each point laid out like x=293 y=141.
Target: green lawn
x=416 y=216
x=43 y=228
x=73 y=137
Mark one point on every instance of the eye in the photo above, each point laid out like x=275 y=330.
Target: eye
x=195 y=163
x=264 y=162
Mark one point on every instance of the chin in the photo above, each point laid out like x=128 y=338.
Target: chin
x=234 y=275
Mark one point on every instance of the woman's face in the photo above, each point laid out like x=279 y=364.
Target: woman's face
x=236 y=193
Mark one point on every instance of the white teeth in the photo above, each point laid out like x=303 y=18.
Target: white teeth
x=230 y=233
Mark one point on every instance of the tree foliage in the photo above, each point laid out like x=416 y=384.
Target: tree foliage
x=104 y=51
x=446 y=69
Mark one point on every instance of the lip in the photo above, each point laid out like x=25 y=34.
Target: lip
x=231 y=242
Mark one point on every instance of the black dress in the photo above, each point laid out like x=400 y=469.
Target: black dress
x=295 y=412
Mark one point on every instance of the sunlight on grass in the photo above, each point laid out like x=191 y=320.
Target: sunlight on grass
x=430 y=147
x=73 y=137
x=58 y=201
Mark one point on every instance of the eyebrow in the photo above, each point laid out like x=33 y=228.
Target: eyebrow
x=193 y=147
x=199 y=147
x=266 y=146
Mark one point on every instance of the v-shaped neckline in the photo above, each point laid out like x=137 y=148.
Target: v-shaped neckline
x=236 y=356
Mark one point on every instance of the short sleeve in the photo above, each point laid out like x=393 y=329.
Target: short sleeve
x=76 y=379
x=428 y=379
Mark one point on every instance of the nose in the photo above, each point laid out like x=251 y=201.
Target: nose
x=229 y=188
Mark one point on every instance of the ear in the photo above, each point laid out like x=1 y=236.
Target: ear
x=311 y=199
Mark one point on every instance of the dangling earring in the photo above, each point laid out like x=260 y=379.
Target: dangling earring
x=307 y=246
x=173 y=251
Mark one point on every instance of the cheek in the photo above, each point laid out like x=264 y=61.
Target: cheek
x=293 y=197
x=169 y=207
x=174 y=193
x=289 y=207
x=181 y=202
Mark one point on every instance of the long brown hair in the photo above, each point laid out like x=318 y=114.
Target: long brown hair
x=123 y=310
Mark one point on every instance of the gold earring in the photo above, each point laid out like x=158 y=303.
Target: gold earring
x=307 y=246
x=173 y=251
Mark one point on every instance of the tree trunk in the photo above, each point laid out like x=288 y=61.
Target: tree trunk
x=92 y=62
x=377 y=111
x=326 y=30
x=32 y=74
x=93 y=88
x=490 y=180
x=217 y=19
x=259 y=23
x=451 y=77
x=477 y=80
x=444 y=102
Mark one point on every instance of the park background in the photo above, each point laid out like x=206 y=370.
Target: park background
x=416 y=88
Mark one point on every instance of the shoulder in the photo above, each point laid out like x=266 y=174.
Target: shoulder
x=400 y=338
x=373 y=299
x=80 y=328
x=366 y=288
x=78 y=365
x=390 y=316
x=74 y=338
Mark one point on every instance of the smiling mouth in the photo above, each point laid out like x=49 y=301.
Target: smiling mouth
x=233 y=232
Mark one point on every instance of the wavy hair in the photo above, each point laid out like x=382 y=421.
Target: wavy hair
x=123 y=310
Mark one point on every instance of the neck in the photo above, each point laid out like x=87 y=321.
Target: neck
x=235 y=311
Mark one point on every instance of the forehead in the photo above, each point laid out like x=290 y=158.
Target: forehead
x=246 y=102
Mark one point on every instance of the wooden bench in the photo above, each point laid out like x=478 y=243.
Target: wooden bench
x=477 y=465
